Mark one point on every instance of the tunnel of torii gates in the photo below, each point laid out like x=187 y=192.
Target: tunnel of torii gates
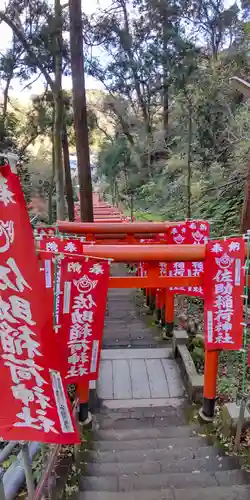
x=126 y=242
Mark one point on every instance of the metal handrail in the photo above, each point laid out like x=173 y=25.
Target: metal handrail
x=45 y=477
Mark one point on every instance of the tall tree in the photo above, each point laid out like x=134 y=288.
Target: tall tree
x=217 y=23
x=39 y=30
x=80 y=110
x=58 y=103
x=40 y=121
x=10 y=67
x=67 y=173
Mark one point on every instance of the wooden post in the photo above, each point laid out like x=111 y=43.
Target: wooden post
x=169 y=312
x=158 y=305
x=210 y=382
x=83 y=394
x=162 y=305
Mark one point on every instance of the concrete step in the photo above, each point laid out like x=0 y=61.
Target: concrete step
x=176 y=480
x=115 y=323
x=133 y=322
x=182 y=431
x=120 y=314
x=157 y=415
x=128 y=342
x=237 y=492
x=137 y=455
x=125 y=338
x=117 y=342
x=197 y=465
x=171 y=443
x=145 y=423
x=156 y=353
x=125 y=334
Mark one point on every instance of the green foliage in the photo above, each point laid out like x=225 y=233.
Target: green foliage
x=198 y=355
x=7 y=463
x=220 y=153
x=24 y=176
x=8 y=131
x=39 y=462
x=168 y=109
x=225 y=386
x=196 y=347
x=173 y=109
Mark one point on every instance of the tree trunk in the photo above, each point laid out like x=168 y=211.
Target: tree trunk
x=5 y=99
x=165 y=110
x=132 y=207
x=59 y=159
x=128 y=50
x=4 y=112
x=165 y=29
x=117 y=196
x=189 y=160
x=245 y=214
x=51 y=188
x=58 y=125
x=80 y=110
x=67 y=174
x=112 y=192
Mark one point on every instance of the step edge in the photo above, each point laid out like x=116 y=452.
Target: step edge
x=117 y=494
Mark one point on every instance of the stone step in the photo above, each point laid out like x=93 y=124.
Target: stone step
x=122 y=302
x=125 y=337
x=122 y=293
x=138 y=455
x=197 y=465
x=116 y=321
x=128 y=343
x=134 y=322
x=120 y=305
x=159 y=416
x=237 y=492
x=140 y=418
x=117 y=342
x=176 y=480
x=156 y=353
x=132 y=423
x=114 y=334
x=147 y=444
x=120 y=314
x=123 y=331
x=150 y=433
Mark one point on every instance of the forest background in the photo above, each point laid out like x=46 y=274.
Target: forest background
x=168 y=133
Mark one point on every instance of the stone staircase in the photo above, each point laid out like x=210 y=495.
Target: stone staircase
x=151 y=454
x=123 y=327
x=141 y=447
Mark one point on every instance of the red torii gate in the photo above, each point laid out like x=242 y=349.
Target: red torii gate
x=154 y=254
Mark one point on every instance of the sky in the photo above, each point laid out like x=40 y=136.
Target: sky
x=17 y=88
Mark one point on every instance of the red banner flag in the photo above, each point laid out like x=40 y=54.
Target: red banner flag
x=188 y=233
x=63 y=244
x=81 y=296
x=34 y=403
x=58 y=244
x=45 y=231
x=223 y=290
